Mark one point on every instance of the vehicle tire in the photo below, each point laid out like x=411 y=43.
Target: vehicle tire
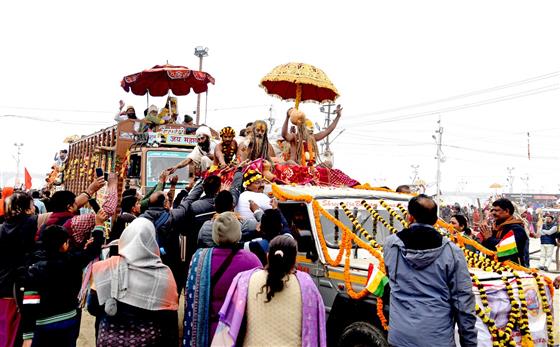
x=362 y=334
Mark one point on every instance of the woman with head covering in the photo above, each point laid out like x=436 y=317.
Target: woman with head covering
x=211 y=272
x=278 y=306
x=17 y=238
x=135 y=292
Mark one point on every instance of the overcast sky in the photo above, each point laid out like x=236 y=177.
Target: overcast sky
x=489 y=69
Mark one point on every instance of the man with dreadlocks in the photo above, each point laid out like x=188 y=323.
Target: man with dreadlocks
x=303 y=144
x=258 y=147
x=225 y=152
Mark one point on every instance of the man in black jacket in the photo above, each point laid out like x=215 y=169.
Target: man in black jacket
x=169 y=224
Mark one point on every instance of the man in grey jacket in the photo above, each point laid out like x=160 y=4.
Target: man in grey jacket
x=431 y=289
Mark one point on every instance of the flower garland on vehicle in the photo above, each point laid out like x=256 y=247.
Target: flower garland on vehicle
x=363 y=232
x=378 y=217
x=393 y=213
x=474 y=260
x=403 y=210
x=514 y=312
x=546 y=309
x=499 y=337
x=524 y=321
x=346 y=247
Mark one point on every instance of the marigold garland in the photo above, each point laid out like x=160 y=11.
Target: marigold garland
x=486 y=261
x=393 y=213
x=363 y=232
x=284 y=196
x=524 y=321
x=403 y=210
x=514 y=312
x=378 y=217
x=546 y=308
x=367 y=186
x=499 y=337
x=381 y=314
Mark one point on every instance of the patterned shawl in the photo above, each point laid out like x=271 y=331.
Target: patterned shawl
x=232 y=314
x=137 y=276
x=197 y=299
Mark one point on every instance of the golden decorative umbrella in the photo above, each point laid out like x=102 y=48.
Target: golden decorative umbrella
x=71 y=138
x=496 y=186
x=299 y=82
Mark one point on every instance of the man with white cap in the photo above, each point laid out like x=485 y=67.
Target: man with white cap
x=202 y=155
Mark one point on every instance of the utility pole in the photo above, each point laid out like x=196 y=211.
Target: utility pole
x=327 y=143
x=510 y=178
x=18 y=158
x=439 y=158
x=414 y=173
x=270 y=119
x=525 y=180
x=200 y=52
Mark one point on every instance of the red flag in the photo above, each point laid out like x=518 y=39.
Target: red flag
x=27 y=179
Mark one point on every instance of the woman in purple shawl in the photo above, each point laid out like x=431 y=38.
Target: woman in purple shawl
x=277 y=306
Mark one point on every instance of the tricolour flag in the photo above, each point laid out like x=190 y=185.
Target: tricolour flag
x=376 y=281
x=507 y=246
x=31 y=298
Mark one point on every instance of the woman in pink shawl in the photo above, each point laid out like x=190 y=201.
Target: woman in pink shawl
x=276 y=306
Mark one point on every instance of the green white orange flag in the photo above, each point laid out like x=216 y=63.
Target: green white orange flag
x=507 y=246
x=376 y=281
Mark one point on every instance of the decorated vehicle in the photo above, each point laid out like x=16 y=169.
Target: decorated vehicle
x=341 y=232
x=137 y=157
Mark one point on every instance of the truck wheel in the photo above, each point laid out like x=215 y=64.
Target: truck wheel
x=362 y=334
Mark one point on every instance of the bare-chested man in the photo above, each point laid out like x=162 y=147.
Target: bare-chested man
x=202 y=155
x=258 y=147
x=226 y=151
x=303 y=144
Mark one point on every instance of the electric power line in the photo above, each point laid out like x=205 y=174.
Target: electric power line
x=464 y=95
x=530 y=92
x=61 y=121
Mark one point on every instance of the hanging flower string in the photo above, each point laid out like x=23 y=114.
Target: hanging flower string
x=363 y=232
x=393 y=213
x=485 y=260
x=378 y=217
x=546 y=308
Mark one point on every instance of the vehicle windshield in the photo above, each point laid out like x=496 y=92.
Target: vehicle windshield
x=298 y=218
x=376 y=229
x=157 y=161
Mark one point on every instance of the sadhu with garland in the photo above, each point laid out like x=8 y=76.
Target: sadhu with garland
x=225 y=153
x=303 y=144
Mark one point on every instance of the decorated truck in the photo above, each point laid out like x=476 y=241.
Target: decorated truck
x=137 y=157
x=340 y=234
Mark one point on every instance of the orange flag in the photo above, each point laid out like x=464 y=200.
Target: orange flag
x=27 y=179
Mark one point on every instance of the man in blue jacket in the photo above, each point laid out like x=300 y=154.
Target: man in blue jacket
x=431 y=289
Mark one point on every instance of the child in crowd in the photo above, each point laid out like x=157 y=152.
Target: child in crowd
x=50 y=315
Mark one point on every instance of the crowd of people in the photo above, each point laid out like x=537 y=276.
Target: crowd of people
x=526 y=223
x=239 y=278
x=55 y=261
x=229 y=250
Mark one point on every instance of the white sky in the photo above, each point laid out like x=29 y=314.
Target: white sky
x=382 y=56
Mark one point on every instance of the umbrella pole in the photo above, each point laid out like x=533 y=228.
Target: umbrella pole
x=298 y=95
x=148 y=99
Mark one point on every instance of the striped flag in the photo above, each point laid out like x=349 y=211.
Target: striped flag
x=376 y=281
x=31 y=298
x=507 y=246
